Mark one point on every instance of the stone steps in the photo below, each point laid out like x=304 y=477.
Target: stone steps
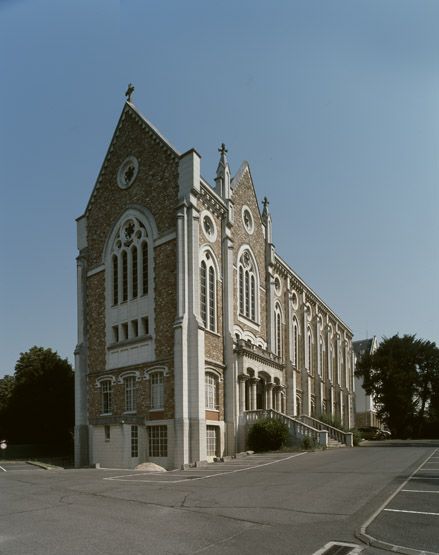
x=334 y=444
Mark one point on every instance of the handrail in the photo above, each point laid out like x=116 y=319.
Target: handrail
x=334 y=433
x=296 y=427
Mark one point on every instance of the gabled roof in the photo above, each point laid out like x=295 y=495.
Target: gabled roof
x=362 y=346
x=236 y=180
x=149 y=128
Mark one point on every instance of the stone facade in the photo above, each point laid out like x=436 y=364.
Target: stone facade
x=187 y=317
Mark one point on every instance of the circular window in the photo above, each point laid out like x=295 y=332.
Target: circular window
x=295 y=300
x=209 y=227
x=127 y=173
x=247 y=219
x=277 y=285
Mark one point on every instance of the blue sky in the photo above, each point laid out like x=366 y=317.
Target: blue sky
x=334 y=104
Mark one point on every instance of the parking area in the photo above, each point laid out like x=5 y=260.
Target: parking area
x=410 y=517
x=211 y=470
x=17 y=466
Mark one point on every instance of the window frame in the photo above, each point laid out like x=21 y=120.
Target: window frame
x=208 y=276
x=157 y=441
x=211 y=391
x=248 y=286
x=157 y=390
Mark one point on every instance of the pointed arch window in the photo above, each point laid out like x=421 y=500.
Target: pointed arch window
x=309 y=350
x=321 y=356
x=247 y=286
x=295 y=342
x=124 y=276
x=130 y=262
x=115 y=275
x=134 y=276
x=277 y=331
x=208 y=292
x=145 y=263
x=331 y=363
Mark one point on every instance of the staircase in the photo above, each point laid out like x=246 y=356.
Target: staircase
x=334 y=444
x=300 y=427
x=336 y=437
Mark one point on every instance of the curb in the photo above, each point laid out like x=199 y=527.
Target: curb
x=370 y=540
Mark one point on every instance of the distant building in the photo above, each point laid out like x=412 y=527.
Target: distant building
x=365 y=411
x=188 y=320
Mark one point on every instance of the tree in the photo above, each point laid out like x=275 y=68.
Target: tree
x=403 y=376
x=41 y=406
x=6 y=389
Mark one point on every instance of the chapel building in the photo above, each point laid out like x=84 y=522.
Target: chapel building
x=189 y=323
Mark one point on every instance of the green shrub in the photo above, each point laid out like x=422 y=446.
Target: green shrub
x=356 y=437
x=267 y=435
x=308 y=443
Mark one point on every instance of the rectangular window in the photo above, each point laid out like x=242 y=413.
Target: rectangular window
x=115 y=334
x=130 y=394
x=145 y=325
x=107 y=433
x=125 y=331
x=157 y=390
x=134 y=441
x=211 y=440
x=106 y=397
x=134 y=328
x=158 y=441
x=211 y=392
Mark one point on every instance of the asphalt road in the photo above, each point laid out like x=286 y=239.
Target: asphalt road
x=290 y=504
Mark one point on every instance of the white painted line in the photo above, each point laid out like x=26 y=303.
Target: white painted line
x=4 y=470
x=423 y=478
x=356 y=549
x=121 y=478
x=363 y=530
x=411 y=512
x=421 y=490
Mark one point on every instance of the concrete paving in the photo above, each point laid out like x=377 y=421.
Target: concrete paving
x=265 y=504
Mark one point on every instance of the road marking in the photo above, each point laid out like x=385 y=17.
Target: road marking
x=423 y=478
x=411 y=512
x=350 y=548
x=123 y=477
x=363 y=530
x=4 y=469
x=422 y=490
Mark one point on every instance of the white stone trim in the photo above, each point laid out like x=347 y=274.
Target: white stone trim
x=165 y=238
x=128 y=374
x=104 y=379
x=147 y=373
x=96 y=270
x=213 y=237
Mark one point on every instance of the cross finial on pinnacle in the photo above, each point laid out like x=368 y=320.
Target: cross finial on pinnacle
x=129 y=92
x=223 y=150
